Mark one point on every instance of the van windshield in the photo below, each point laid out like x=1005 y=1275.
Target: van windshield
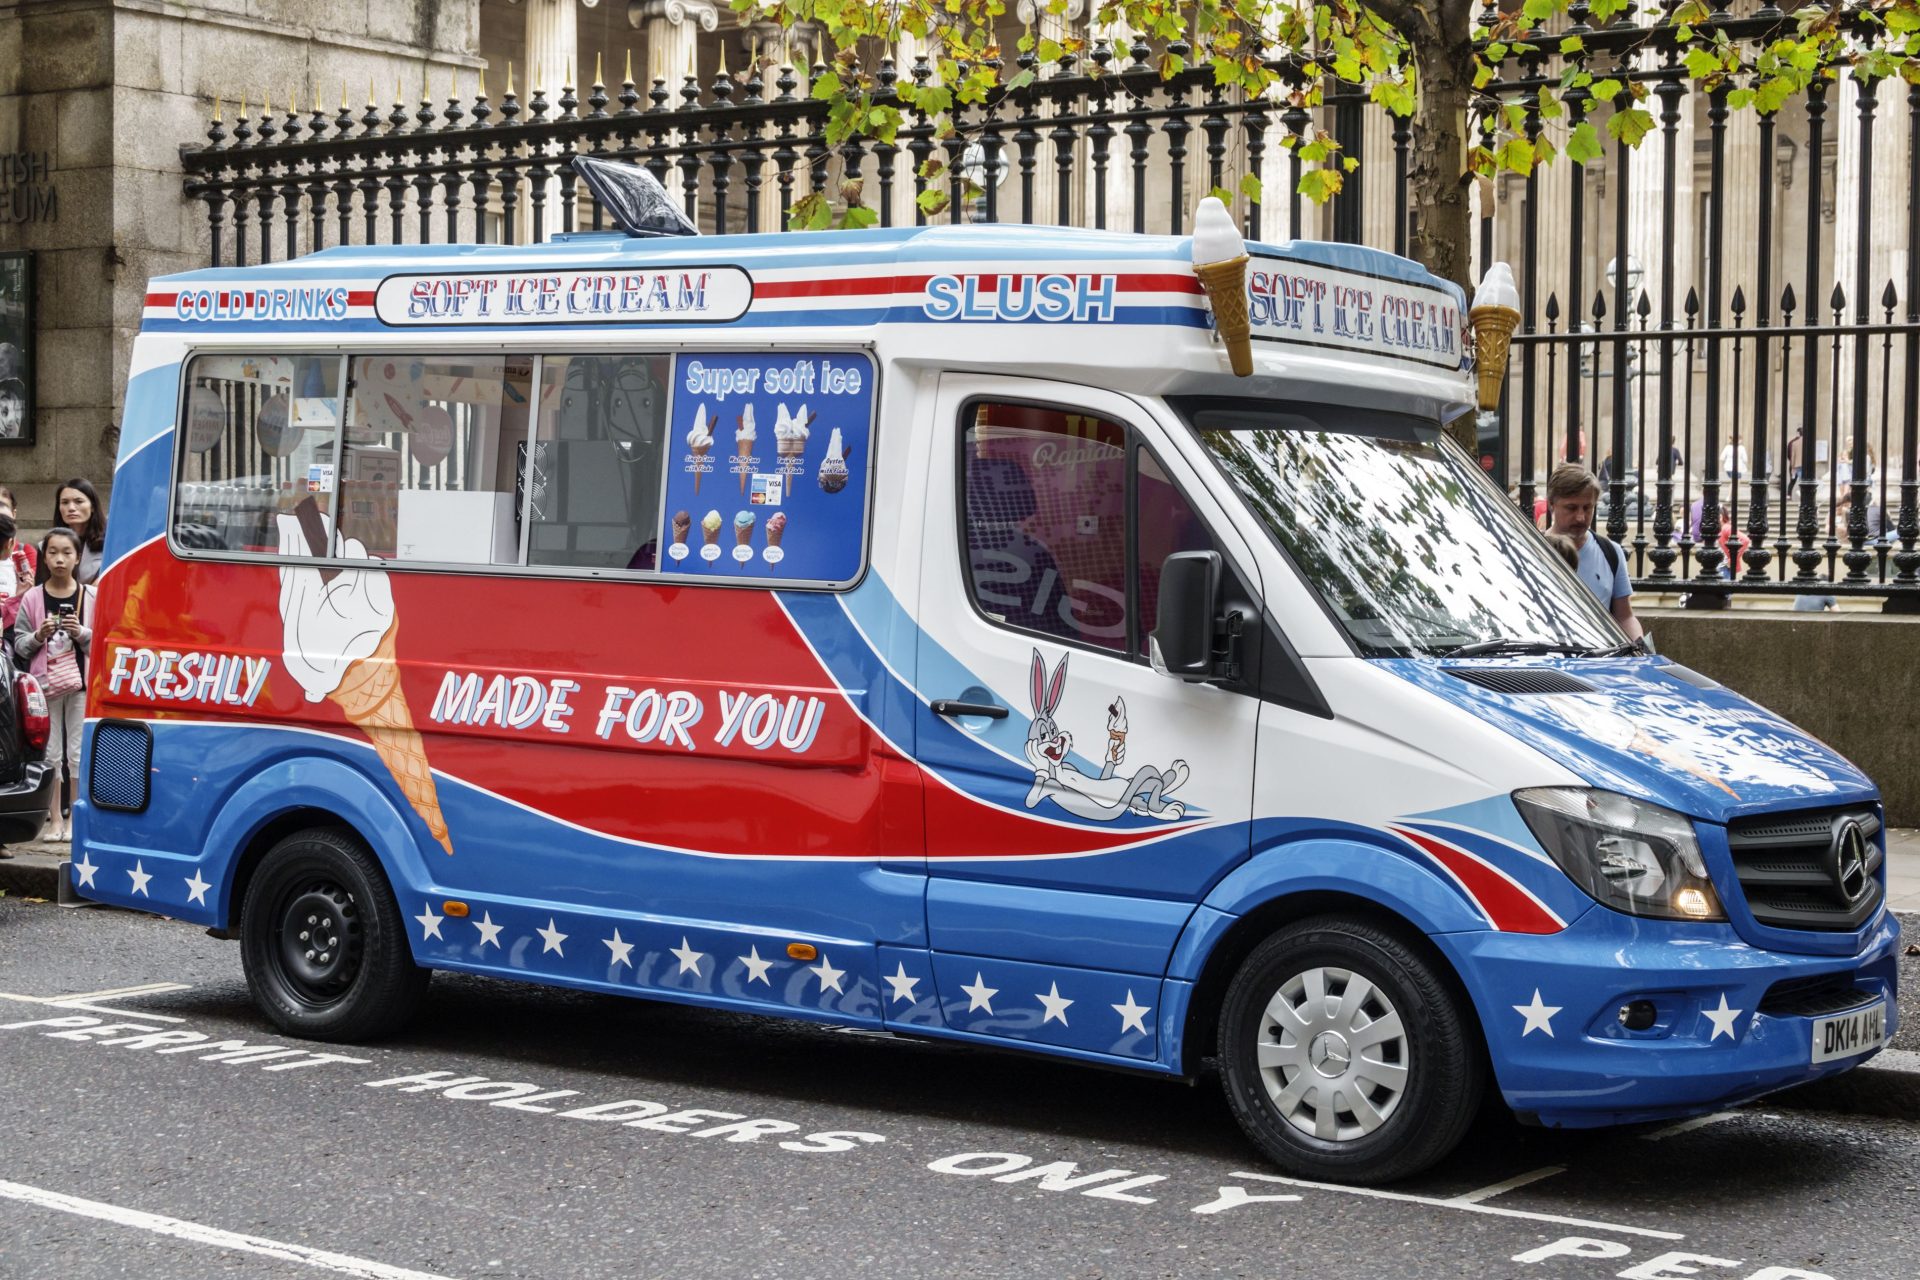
x=1409 y=546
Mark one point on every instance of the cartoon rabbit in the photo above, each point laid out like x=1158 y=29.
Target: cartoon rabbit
x=1106 y=797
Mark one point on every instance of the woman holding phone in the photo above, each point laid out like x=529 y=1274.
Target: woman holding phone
x=50 y=637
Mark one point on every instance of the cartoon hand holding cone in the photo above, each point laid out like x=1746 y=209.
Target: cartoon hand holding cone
x=338 y=636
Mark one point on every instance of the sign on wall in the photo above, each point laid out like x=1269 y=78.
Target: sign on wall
x=16 y=348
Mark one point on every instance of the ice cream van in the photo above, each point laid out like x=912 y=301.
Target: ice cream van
x=1012 y=636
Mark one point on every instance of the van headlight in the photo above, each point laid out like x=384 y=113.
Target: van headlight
x=1632 y=856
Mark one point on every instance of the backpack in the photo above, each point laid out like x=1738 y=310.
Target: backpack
x=1610 y=553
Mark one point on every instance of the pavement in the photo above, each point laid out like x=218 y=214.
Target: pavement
x=34 y=870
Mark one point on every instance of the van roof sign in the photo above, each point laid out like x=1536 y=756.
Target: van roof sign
x=627 y=294
x=1302 y=302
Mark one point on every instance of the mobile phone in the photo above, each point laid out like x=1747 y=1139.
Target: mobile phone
x=63 y=608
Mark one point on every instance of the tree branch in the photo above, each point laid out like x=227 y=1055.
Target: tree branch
x=1402 y=15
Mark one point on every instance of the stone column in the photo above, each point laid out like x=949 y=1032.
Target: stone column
x=1648 y=246
x=906 y=50
x=1884 y=194
x=673 y=29
x=553 y=46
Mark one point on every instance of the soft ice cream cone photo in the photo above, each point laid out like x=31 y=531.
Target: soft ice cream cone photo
x=338 y=640
x=699 y=443
x=710 y=528
x=1220 y=261
x=776 y=528
x=833 y=467
x=743 y=528
x=682 y=526
x=790 y=433
x=743 y=439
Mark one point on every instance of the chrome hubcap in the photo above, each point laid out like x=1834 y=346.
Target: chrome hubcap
x=1333 y=1054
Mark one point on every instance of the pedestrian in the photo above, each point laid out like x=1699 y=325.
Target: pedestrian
x=23 y=550
x=1733 y=460
x=1572 y=493
x=50 y=635
x=16 y=579
x=77 y=506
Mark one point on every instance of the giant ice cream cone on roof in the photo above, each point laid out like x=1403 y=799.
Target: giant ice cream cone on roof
x=1220 y=260
x=1495 y=314
x=338 y=636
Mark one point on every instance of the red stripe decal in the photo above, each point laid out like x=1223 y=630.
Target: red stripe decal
x=871 y=286
x=1511 y=908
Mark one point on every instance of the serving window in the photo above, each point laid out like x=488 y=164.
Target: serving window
x=730 y=467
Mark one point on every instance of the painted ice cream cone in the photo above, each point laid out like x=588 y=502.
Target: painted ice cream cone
x=371 y=696
x=743 y=529
x=338 y=630
x=776 y=528
x=1220 y=260
x=682 y=525
x=710 y=528
x=790 y=433
x=1495 y=314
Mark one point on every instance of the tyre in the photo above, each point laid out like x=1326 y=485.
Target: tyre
x=323 y=942
x=1344 y=1054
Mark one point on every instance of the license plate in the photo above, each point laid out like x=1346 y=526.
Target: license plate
x=1847 y=1035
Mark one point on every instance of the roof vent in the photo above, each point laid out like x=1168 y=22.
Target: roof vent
x=1687 y=675
x=637 y=202
x=1521 y=679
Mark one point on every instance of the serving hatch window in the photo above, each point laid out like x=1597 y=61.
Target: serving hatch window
x=730 y=466
x=257 y=439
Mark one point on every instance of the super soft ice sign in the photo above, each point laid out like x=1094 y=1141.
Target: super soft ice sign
x=1298 y=302
x=633 y=295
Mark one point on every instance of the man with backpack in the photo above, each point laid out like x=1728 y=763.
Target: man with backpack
x=1572 y=494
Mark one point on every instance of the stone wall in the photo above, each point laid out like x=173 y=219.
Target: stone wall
x=113 y=89
x=1850 y=679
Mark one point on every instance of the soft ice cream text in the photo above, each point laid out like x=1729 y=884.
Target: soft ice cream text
x=167 y=675
x=663 y=717
x=802 y=377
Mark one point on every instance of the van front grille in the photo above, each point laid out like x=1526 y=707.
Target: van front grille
x=1811 y=869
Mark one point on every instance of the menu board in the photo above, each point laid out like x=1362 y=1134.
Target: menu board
x=768 y=459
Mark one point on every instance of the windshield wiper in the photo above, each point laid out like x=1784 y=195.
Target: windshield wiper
x=1507 y=644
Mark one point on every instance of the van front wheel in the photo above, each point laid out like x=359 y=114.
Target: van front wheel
x=1344 y=1055
x=323 y=943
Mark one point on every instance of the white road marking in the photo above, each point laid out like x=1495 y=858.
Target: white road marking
x=1688 y=1126
x=1374 y=1193
x=83 y=1000
x=344 y=1264
x=1511 y=1184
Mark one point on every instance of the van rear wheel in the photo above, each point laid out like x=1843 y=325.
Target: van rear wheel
x=1345 y=1056
x=323 y=942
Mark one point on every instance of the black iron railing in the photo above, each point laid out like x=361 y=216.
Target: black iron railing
x=1815 y=378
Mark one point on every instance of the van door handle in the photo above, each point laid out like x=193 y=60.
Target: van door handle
x=948 y=707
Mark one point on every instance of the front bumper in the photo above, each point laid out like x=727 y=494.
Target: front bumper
x=1726 y=1029
x=24 y=801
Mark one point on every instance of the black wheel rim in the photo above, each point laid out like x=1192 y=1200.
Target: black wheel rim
x=317 y=945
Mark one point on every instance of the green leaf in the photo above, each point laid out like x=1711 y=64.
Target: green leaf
x=858 y=216
x=1572 y=44
x=1515 y=154
x=1321 y=185
x=1630 y=126
x=1606 y=90
x=1739 y=99
x=809 y=213
x=1021 y=80
x=826 y=87
x=1050 y=50
x=1250 y=187
x=1584 y=144
x=934 y=200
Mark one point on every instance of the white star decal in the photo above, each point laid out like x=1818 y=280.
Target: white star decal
x=756 y=967
x=85 y=869
x=553 y=938
x=1722 y=1020
x=197 y=889
x=140 y=878
x=1133 y=1016
x=902 y=985
x=489 y=931
x=688 y=957
x=980 y=995
x=828 y=975
x=429 y=924
x=621 y=950
x=1539 y=1016
x=1056 y=1005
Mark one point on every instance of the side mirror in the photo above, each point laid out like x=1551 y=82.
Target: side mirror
x=1182 y=644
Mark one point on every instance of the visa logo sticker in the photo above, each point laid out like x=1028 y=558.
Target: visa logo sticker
x=1050 y=298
